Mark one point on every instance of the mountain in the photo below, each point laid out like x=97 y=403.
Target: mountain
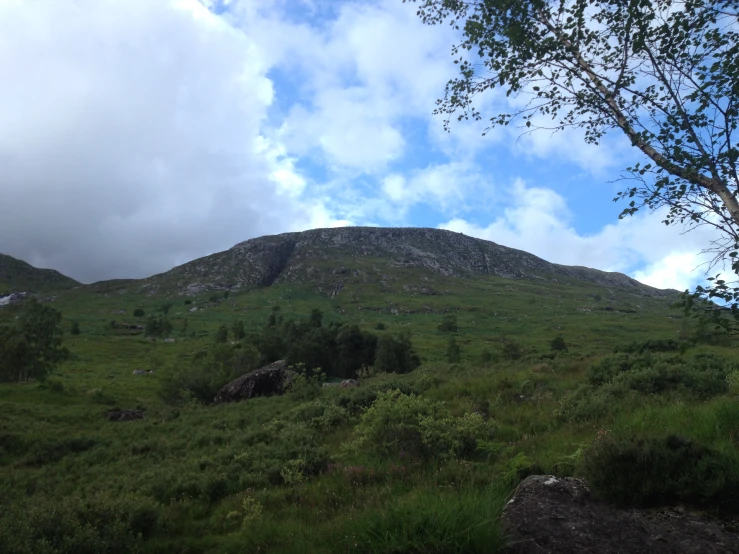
x=17 y=275
x=331 y=258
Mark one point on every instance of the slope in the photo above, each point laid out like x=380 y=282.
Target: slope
x=17 y=275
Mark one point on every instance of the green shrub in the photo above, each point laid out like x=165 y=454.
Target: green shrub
x=448 y=324
x=654 y=471
x=138 y=312
x=412 y=425
x=100 y=523
x=648 y=345
x=703 y=374
x=356 y=400
x=453 y=353
x=558 y=344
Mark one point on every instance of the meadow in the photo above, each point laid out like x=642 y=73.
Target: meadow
x=637 y=397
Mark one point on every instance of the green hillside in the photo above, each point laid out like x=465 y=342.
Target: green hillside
x=427 y=468
x=17 y=275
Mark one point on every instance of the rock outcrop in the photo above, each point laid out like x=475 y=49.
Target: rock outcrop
x=325 y=256
x=559 y=516
x=265 y=381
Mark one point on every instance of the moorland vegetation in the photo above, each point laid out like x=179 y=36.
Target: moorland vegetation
x=638 y=398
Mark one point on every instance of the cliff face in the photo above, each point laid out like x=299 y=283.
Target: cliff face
x=370 y=253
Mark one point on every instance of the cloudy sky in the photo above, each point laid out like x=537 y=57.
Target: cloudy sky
x=137 y=135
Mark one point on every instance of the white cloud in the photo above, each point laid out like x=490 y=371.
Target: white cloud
x=537 y=221
x=135 y=137
x=360 y=78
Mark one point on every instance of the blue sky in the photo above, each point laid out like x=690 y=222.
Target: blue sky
x=142 y=134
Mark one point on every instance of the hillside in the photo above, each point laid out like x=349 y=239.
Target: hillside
x=543 y=369
x=330 y=259
x=17 y=275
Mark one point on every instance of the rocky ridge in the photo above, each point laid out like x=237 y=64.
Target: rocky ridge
x=346 y=252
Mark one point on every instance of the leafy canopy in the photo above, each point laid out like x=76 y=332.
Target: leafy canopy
x=32 y=347
x=665 y=73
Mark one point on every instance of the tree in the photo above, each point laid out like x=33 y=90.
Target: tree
x=165 y=308
x=32 y=347
x=665 y=73
x=448 y=324
x=237 y=329
x=558 y=344
x=395 y=354
x=74 y=328
x=453 y=353
x=138 y=312
x=221 y=334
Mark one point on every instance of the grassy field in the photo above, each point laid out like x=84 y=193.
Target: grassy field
x=420 y=462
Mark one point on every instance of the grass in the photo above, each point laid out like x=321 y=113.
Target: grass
x=280 y=474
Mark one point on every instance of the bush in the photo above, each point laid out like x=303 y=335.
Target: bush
x=98 y=523
x=654 y=471
x=448 y=324
x=649 y=345
x=138 y=312
x=453 y=353
x=399 y=424
x=395 y=354
x=221 y=334
x=558 y=344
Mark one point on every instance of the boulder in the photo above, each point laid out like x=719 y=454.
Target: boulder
x=266 y=381
x=124 y=415
x=559 y=515
x=349 y=384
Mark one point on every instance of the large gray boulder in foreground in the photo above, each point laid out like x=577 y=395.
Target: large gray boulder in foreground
x=266 y=381
x=558 y=515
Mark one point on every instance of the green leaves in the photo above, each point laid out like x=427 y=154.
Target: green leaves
x=665 y=74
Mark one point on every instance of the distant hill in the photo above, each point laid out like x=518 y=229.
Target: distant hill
x=17 y=275
x=331 y=258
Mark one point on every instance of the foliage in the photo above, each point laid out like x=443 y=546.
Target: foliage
x=165 y=308
x=510 y=349
x=448 y=324
x=221 y=334
x=138 y=312
x=237 y=330
x=158 y=327
x=397 y=424
x=453 y=353
x=105 y=523
x=653 y=471
x=201 y=377
x=558 y=344
x=32 y=347
x=648 y=345
x=619 y=377
x=663 y=73
x=74 y=328
x=395 y=354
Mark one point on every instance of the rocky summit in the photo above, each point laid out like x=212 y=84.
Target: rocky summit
x=331 y=257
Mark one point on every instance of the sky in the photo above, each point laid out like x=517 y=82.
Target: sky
x=139 y=135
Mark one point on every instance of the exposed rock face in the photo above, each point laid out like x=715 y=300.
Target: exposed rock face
x=553 y=515
x=266 y=381
x=307 y=256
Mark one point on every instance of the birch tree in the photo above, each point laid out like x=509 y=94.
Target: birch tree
x=665 y=73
